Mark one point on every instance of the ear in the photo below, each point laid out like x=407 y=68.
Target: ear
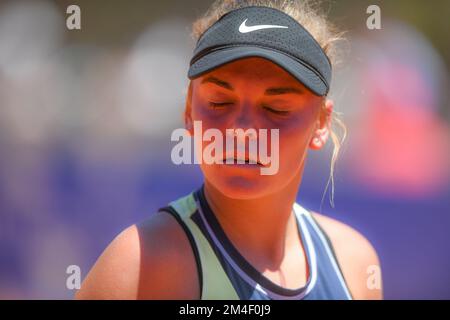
x=323 y=127
x=188 y=123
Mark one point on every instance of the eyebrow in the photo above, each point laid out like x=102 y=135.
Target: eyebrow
x=282 y=90
x=268 y=92
x=218 y=82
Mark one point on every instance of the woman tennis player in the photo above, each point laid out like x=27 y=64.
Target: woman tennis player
x=262 y=65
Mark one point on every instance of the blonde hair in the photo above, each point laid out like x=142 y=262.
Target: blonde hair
x=308 y=15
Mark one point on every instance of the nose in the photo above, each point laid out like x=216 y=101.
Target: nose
x=245 y=117
x=243 y=132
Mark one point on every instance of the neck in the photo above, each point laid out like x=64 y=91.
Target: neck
x=264 y=227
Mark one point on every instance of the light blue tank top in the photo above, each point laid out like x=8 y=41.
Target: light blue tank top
x=225 y=274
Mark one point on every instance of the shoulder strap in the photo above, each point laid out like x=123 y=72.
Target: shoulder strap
x=214 y=282
x=170 y=210
x=325 y=239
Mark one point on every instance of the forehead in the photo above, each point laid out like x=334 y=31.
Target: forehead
x=257 y=70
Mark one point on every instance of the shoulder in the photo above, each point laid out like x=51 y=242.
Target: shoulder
x=356 y=256
x=149 y=260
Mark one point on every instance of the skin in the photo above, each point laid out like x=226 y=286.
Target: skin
x=153 y=259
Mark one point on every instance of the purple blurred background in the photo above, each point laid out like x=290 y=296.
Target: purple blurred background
x=86 y=117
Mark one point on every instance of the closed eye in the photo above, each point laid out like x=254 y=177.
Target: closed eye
x=219 y=104
x=279 y=112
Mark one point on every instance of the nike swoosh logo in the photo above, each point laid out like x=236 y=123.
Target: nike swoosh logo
x=245 y=29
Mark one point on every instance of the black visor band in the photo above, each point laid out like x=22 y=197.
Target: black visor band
x=265 y=32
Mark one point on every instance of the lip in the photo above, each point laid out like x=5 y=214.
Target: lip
x=247 y=162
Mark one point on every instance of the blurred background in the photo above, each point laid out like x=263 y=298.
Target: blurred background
x=86 y=117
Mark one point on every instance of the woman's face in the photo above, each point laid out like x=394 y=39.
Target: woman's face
x=256 y=93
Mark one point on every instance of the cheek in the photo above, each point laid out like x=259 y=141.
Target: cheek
x=293 y=146
x=294 y=140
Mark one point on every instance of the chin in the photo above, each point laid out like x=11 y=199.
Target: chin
x=242 y=185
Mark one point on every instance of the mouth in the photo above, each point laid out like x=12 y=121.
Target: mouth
x=242 y=161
